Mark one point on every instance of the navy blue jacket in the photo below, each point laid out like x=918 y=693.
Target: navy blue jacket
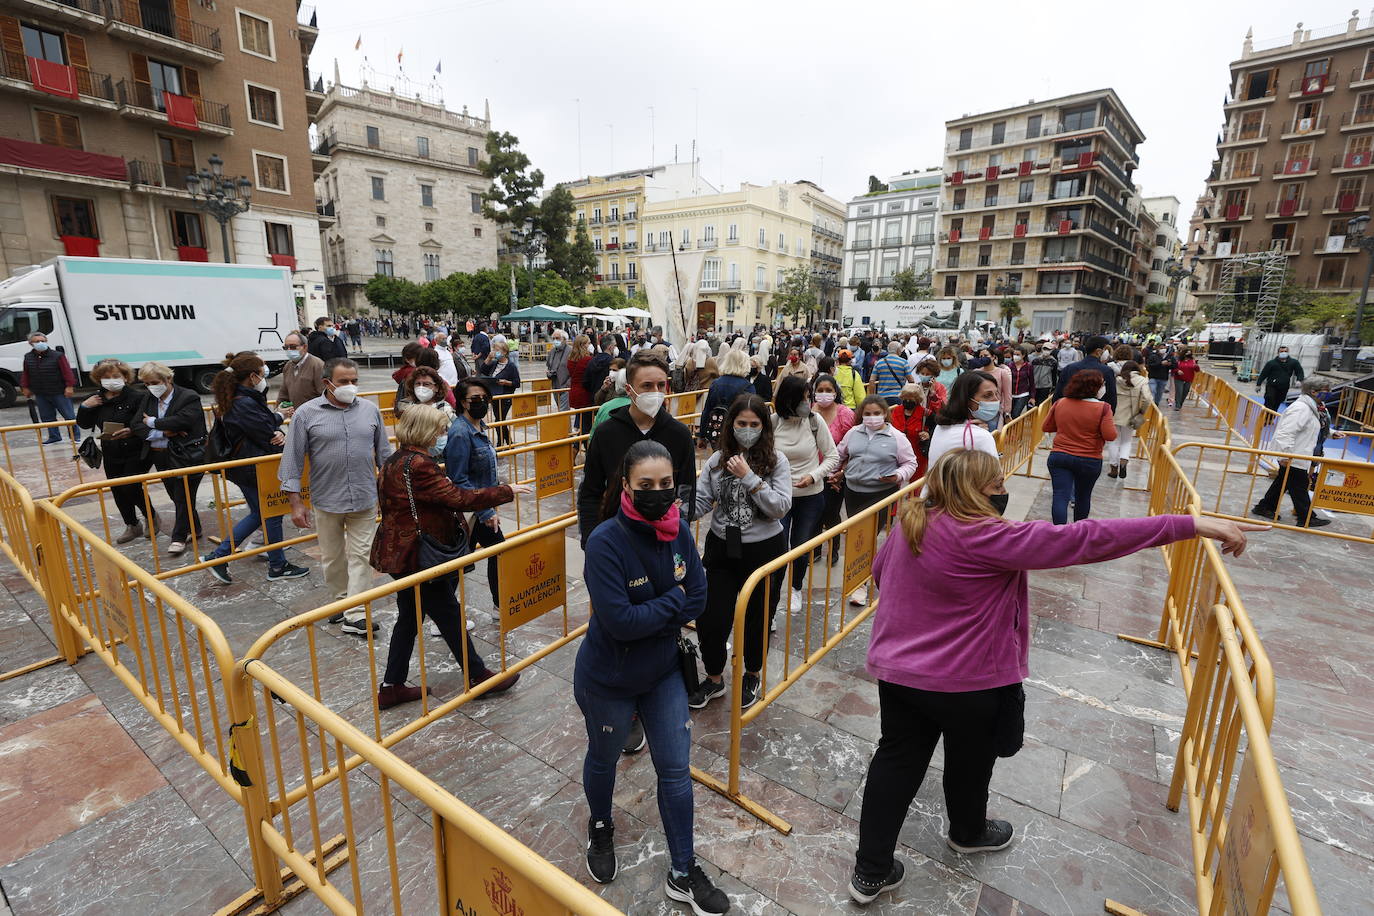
x=637 y=608
x=1089 y=362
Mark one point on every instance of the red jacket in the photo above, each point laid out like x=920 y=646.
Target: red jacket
x=1185 y=370
x=437 y=502
x=912 y=427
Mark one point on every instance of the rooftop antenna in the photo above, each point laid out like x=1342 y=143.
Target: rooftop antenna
x=653 y=156
x=612 y=128
x=579 y=138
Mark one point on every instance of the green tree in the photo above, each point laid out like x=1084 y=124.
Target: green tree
x=1009 y=308
x=509 y=202
x=875 y=186
x=1155 y=312
x=639 y=300
x=551 y=289
x=861 y=292
x=606 y=297
x=560 y=245
x=580 y=261
x=393 y=294
x=796 y=294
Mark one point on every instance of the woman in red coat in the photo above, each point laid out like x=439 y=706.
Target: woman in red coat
x=415 y=496
x=578 y=358
x=909 y=418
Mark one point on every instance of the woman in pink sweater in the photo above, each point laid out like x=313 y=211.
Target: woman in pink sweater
x=951 y=646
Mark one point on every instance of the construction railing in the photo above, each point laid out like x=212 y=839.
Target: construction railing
x=19 y=525
x=827 y=619
x=1356 y=408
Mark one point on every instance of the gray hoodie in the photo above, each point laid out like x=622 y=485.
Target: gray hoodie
x=768 y=505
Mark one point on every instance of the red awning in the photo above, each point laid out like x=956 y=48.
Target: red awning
x=81 y=246
x=59 y=159
x=284 y=260
x=181 y=110
x=54 y=78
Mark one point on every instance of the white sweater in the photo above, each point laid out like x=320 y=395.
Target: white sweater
x=809 y=450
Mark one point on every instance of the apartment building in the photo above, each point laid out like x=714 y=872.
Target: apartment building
x=1294 y=157
x=893 y=230
x=1037 y=205
x=109 y=105
x=401 y=176
x=753 y=236
x=610 y=206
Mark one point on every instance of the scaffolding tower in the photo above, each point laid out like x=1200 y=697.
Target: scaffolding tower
x=1269 y=268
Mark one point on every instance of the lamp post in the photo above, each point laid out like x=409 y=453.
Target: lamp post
x=530 y=241
x=1005 y=288
x=1176 y=271
x=824 y=278
x=1355 y=229
x=221 y=197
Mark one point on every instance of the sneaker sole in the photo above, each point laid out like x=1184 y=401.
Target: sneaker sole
x=683 y=897
x=643 y=742
x=354 y=631
x=593 y=876
x=299 y=575
x=974 y=850
x=859 y=896
x=709 y=698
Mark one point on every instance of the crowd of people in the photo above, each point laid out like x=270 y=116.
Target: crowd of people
x=792 y=441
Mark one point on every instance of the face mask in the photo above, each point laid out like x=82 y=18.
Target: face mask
x=1281 y=355
x=345 y=393
x=825 y=398
x=558 y=344
x=1016 y=357
x=500 y=356
x=330 y=331
x=112 y=384
x=1102 y=392
x=653 y=504
x=423 y=393
x=295 y=355
x=748 y=436
x=946 y=362
x=803 y=411
x=987 y=411
x=157 y=390
x=439 y=442
x=261 y=385
x=999 y=502
x=873 y=421
x=478 y=409
x=41 y=345
x=649 y=402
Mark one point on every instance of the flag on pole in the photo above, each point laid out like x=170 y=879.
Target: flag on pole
x=357 y=45
x=439 y=67
x=514 y=297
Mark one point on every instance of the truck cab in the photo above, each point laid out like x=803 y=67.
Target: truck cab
x=29 y=303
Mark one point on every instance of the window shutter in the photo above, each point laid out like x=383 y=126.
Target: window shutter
x=139 y=65
x=182 y=9
x=76 y=52
x=12 y=40
x=48 y=131
x=69 y=131
x=190 y=79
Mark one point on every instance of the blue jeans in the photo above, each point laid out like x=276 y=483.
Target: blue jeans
x=1157 y=388
x=667 y=725
x=799 y=525
x=245 y=526
x=1073 y=478
x=49 y=406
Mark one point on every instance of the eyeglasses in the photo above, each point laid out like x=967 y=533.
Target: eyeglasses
x=290 y=346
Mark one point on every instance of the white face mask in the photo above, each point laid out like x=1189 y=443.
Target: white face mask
x=649 y=402
x=345 y=394
x=423 y=393
x=112 y=384
x=157 y=390
x=261 y=385
x=825 y=398
x=873 y=421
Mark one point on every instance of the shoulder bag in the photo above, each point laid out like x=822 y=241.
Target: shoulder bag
x=432 y=552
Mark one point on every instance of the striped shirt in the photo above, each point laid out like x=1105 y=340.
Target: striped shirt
x=344 y=445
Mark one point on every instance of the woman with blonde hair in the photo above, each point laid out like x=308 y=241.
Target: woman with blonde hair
x=118 y=403
x=951 y=646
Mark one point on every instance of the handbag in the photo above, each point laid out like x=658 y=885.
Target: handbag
x=89 y=452
x=687 y=663
x=431 y=551
x=186 y=452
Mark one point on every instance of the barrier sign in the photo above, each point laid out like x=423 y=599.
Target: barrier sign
x=1250 y=853
x=1346 y=491
x=524 y=405
x=553 y=427
x=114 y=599
x=553 y=470
x=271 y=496
x=859 y=544
x=533 y=579
x=543 y=385
x=473 y=882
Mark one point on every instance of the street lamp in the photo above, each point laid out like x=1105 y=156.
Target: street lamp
x=1176 y=271
x=223 y=198
x=531 y=241
x=824 y=278
x=1355 y=230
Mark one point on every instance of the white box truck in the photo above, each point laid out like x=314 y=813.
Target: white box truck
x=187 y=315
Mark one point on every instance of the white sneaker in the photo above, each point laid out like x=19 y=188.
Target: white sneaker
x=795 y=602
x=860 y=596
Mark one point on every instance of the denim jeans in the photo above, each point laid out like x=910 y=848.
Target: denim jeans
x=799 y=525
x=1181 y=389
x=49 y=406
x=663 y=712
x=1157 y=388
x=1073 y=478
x=245 y=526
x=1018 y=404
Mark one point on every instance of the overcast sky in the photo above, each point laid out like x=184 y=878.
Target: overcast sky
x=828 y=91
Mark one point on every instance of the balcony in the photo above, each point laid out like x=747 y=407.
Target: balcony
x=1334 y=244
x=1238 y=136
x=307 y=26
x=730 y=285
x=1313 y=86
x=95 y=90
x=630 y=217
x=1300 y=128
x=314 y=95
x=891 y=241
x=1287 y=246
x=1231 y=213
x=763 y=244
x=43 y=157
x=761 y=286
x=861 y=244
x=87 y=14
x=629 y=246
x=732 y=240
x=594 y=221
x=1239 y=173
x=1258 y=98
x=613 y=218
x=1297 y=168
x=924 y=238
x=707 y=243
x=164 y=31
x=1104 y=230
x=1286 y=208
x=324 y=212
x=1349 y=202
x=1052 y=129
x=140 y=102
x=612 y=246
x=826 y=233
x=1359 y=119
x=1113 y=204
x=1354 y=162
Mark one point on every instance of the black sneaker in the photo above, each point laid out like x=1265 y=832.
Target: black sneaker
x=360 y=628
x=636 y=741
x=601 y=864
x=864 y=890
x=749 y=691
x=705 y=693
x=996 y=835
x=1317 y=522
x=696 y=889
x=220 y=572
x=1266 y=514
x=337 y=618
x=289 y=571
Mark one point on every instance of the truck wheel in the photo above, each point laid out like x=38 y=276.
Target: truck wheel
x=7 y=393
x=202 y=377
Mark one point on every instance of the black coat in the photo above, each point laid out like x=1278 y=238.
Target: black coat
x=325 y=347
x=606 y=450
x=184 y=417
x=250 y=424
x=123 y=409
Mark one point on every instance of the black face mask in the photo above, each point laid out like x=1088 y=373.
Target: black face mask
x=478 y=409
x=910 y=406
x=653 y=504
x=999 y=502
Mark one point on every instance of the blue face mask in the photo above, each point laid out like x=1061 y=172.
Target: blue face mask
x=41 y=345
x=439 y=444
x=988 y=410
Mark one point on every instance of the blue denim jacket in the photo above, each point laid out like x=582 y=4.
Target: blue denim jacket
x=470 y=460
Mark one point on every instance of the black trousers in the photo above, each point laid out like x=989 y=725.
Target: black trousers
x=856 y=501
x=128 y=497
x=187 y=524
x=1296 y=485
x=1274 y=396
x=482 y=536
x=912 y=722
x=440 y=604
x=724 y=582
